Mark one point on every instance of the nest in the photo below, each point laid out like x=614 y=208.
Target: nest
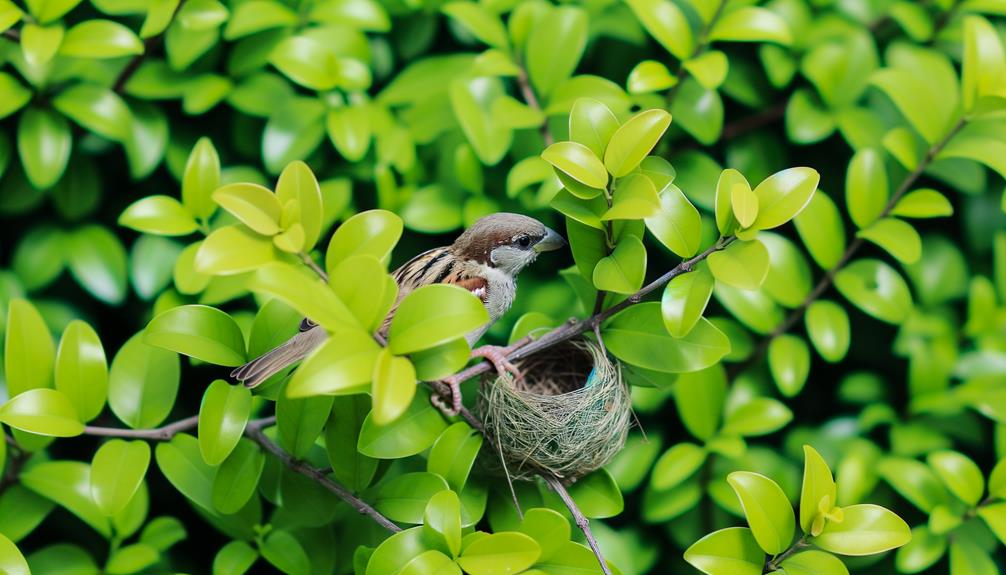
x=569 y=416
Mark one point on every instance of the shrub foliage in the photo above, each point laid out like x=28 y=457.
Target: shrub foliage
x=785 y=222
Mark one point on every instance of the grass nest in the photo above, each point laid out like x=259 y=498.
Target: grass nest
x=569 y=416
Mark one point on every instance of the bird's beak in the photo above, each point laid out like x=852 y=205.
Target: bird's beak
x=551 y=242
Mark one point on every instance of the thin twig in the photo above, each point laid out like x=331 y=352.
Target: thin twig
x=794 y=316
x=527 y=92
x=255 y=433
x=163 y=433
x=309 y=262
x=12 y=35
x=579 y=518
x=16 y=460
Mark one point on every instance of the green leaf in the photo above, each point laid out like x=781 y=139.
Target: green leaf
x=828 y=328
x=709 y=69
x=142 y=383
x=39 y=44
x=394 y=387
x=821 y=228
x=968 y=558
x=416 y=430
x=161 y=215
x=917 y=97
x=729 y=181
x=12 y=561
x=81 y=369
x=633 y=140
x=131 y=559
x=97 y=109
x=341 y=365
x=499 y=553
x=667 y=24
x=742 y=264
x=198 y=331
x=443 y=517
x=751 y=24
x=684 y=300
x=396 y=551
x=699 y=400
x=309 y=62
x=254 y=205
x=46 y=11
x=405 y=497
x=67 y=483
x=783 y=195
x=554 y=47
x=866 y=187
x=767 y=510
x=818 y=484
x=453 y=454
x=624 y=270
x=637 y=335
x=678 y=224
x=789 y=362
x=983 y=71
x=549 y=529
x=13 y=95
x=865 y=530
x=925 y=203
x=731 y=551
x=235 y=558
x=117 y=471
x=298 y=184
x=578 y=162
x=876 y=288
x=597 y=495
x=223 y=414
x=676 y=465
x=897 y=237
x=301 y=421
x=100 y=39
x=304 y=292
x=699 y=111
x=814 y=563
x=921 y=552
x=744 y=204
x=43 y=412
x=433 y=315
x=237 y=477
x=350 y=131
x=635 y=199
x=180 y=462
x=650 y=76
x=29 y=353
x=959 y=473
x=914 y=481
x=592 y=124
x=98 y=262
x=373 y=232
x=479 y=21
x=43 y=144
x=200 y=178
x=757 y=416
x=472 y=101
x=233 y=249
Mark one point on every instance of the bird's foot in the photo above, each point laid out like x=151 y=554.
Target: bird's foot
x=441 y=402
x=497 y=356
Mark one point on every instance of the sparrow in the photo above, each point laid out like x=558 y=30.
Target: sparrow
x=484 y=260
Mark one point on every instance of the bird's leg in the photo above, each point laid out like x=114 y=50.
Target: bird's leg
x=497 y=356
x=439 y=401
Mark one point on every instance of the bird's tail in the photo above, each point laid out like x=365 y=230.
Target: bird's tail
x=272 y=362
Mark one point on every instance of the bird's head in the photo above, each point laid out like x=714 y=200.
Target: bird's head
x=507 y=242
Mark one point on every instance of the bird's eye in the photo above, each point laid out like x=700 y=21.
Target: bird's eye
x=524 y=241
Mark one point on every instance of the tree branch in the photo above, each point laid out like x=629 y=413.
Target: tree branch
x=119 y=86
x=12 y=35
x=701 y=45
x=309 y=262
x=794 y=316
x=579 y=518
x=255 y=433
x=163 y=433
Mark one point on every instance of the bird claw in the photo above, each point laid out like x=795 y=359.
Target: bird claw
x=440 y=402
x=496 y=355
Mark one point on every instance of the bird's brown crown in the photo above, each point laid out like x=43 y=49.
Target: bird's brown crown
x=492 y=231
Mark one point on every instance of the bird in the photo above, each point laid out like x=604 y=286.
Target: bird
x=485 y=260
